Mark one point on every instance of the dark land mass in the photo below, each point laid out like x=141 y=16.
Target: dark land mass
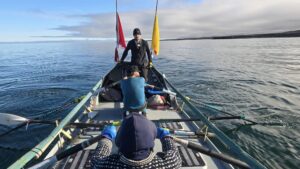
x=288 y=34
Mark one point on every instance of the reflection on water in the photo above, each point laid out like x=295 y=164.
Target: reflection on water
x=255 y=77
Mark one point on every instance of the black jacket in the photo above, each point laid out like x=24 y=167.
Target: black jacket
x=138 y=54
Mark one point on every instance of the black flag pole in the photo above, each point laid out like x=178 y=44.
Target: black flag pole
x=156 y=7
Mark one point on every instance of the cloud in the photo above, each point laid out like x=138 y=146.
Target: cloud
x=196 y=18
x=46 y=14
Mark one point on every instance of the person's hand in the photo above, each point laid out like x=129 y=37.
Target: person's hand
x=151 y=86
x=162 y=132
x=109 y=132
x=150 y=64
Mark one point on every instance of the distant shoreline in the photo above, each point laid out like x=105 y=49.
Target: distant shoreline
x=288 y=34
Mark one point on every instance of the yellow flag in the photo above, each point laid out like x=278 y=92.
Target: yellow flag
x=155 y=36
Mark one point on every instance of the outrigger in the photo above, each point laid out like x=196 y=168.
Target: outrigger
x=72 y=142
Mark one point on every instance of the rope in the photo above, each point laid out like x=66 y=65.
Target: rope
x=252 y=122
x=13 y=129
x=202 y=104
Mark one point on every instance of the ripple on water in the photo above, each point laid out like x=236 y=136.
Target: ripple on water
x=236 y=75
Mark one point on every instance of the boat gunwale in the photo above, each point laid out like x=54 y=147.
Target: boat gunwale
x=39 y=149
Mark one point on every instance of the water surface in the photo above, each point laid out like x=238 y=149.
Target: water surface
x=256 y=77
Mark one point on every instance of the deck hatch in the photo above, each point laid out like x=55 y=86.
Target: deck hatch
x=78 y=161
x=190 y=158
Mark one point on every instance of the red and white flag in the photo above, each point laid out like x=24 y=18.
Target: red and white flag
x=120 y=37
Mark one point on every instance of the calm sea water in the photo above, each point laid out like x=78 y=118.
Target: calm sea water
x=256 y=77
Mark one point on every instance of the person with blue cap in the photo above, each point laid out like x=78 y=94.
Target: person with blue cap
x=135 y=140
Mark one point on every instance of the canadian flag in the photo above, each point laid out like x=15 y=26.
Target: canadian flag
x=120 y=37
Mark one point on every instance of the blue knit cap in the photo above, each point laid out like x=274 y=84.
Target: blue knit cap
x=136 y=136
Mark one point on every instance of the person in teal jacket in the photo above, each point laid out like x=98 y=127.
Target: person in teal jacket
x=133 y=90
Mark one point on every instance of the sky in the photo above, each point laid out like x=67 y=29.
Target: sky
x=43 y=20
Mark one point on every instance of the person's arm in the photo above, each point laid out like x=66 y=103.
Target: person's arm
x=153 y=87
x=104 y=146
x=126 y=51
x=166 y=140
x=168 y=144
x=169 y=148
x=148 y=53
x=149 y=85
x=103 y=149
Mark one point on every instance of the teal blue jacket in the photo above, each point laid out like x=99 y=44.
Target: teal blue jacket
x=133 y=90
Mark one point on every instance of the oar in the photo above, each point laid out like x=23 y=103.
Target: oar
x=113 y=84
x=201 y=149
x=230 y=114
x=13 y=120
x=194 y=146
x=52 y=160
x=191 y=133
x=85 y=125
x=18 y=121
x=165 y=91
x=11 y=130
x=198 y=119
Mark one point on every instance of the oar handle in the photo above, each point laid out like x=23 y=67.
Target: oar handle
x=85 y=125
x=223 y=157
x=224 y=112
x=52 y=160
x=191 y=133
x=157 y=88
x=102 y=124
x=116 y=123
x=177 y=120
x=78 y=147
x=42 y=121
x=226 y=118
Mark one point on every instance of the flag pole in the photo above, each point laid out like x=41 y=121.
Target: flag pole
x=117 y=34
x=120 y=39
x=156 y=7
x=117 y=29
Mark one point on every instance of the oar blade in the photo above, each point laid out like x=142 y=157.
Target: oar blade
x=11 y=119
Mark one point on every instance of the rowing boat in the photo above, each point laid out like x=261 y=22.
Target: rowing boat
x=98 y=107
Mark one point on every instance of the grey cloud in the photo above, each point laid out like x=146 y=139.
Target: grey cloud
x=205 y=18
